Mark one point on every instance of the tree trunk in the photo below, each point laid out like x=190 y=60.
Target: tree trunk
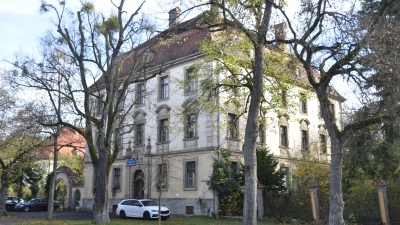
x=249 y=146
x=20 y=190
x=101 y=214
x=53 y=178
x=3 y=194
x=336 y=205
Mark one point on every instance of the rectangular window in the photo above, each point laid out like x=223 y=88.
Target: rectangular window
x=304 y=140
x=232 y=126
x=191 y=174
x=140 y=94
x=303 y=103
x=191 y=82
x=164 y=88
x=139 y=134
x=284 y=98
x=100 y=104
x=162 y=176
x=283 y=136
x=261 y=133
x=117 y=179
x=191 y=126
x=322 y=142
x=163 y=135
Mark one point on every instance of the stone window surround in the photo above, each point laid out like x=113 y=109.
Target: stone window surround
x=120 y=178
x=283 y=121
x=322 y=131
x=160 y=88
x=235 y=135
x=186 y=82
x=159 y=118
x=304 y=123
x=303 y=103
x=138 y=121
x=185 y=162
x=138 y=94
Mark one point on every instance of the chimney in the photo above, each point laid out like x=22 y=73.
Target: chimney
x=174 y=17
x=280 y=33
x=215 y=8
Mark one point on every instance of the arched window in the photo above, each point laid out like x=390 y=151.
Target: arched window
x=139 y=128
x=191 y=126
x=322 y=139
x=163 y=123
x=304 y=135
x=190 y=118
x=283 y=131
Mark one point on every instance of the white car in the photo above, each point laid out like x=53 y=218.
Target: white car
x=141 y=208
x=14 y=199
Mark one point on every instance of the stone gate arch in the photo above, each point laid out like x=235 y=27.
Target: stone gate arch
x=69 y=177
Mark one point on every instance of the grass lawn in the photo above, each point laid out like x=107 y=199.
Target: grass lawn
x=175 y=220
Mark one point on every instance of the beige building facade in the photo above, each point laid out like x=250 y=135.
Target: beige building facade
x=170 y=153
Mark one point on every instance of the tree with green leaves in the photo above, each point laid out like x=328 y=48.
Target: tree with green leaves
x=47 y=185
x=328 y=40
x=76 y=164
x=30 y=174
x=268 y=172
x=226 y=183
x=229 y=184
x=246 y=75
x=85 y=46
x=370 y=154
x=20 y=137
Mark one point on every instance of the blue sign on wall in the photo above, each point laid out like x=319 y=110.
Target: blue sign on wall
x=131 y=161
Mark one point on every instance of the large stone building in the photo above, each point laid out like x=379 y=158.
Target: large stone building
x=183 y=146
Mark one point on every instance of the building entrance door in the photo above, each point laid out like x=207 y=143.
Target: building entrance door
x=138 y=189
x=138 y=185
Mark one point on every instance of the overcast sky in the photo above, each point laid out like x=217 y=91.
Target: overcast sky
x=22 y=25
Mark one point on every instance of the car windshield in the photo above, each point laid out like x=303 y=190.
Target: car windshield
x=34 y=200
x=149 y=203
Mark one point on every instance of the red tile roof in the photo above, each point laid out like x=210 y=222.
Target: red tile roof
x=164 y=49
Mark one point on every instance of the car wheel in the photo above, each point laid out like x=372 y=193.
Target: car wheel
x=146 y=215
x=26 y=209
x=122 y=214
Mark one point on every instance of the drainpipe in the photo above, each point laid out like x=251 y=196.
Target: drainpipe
x=148 y=148
x=218 y=120
x=218 y=137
